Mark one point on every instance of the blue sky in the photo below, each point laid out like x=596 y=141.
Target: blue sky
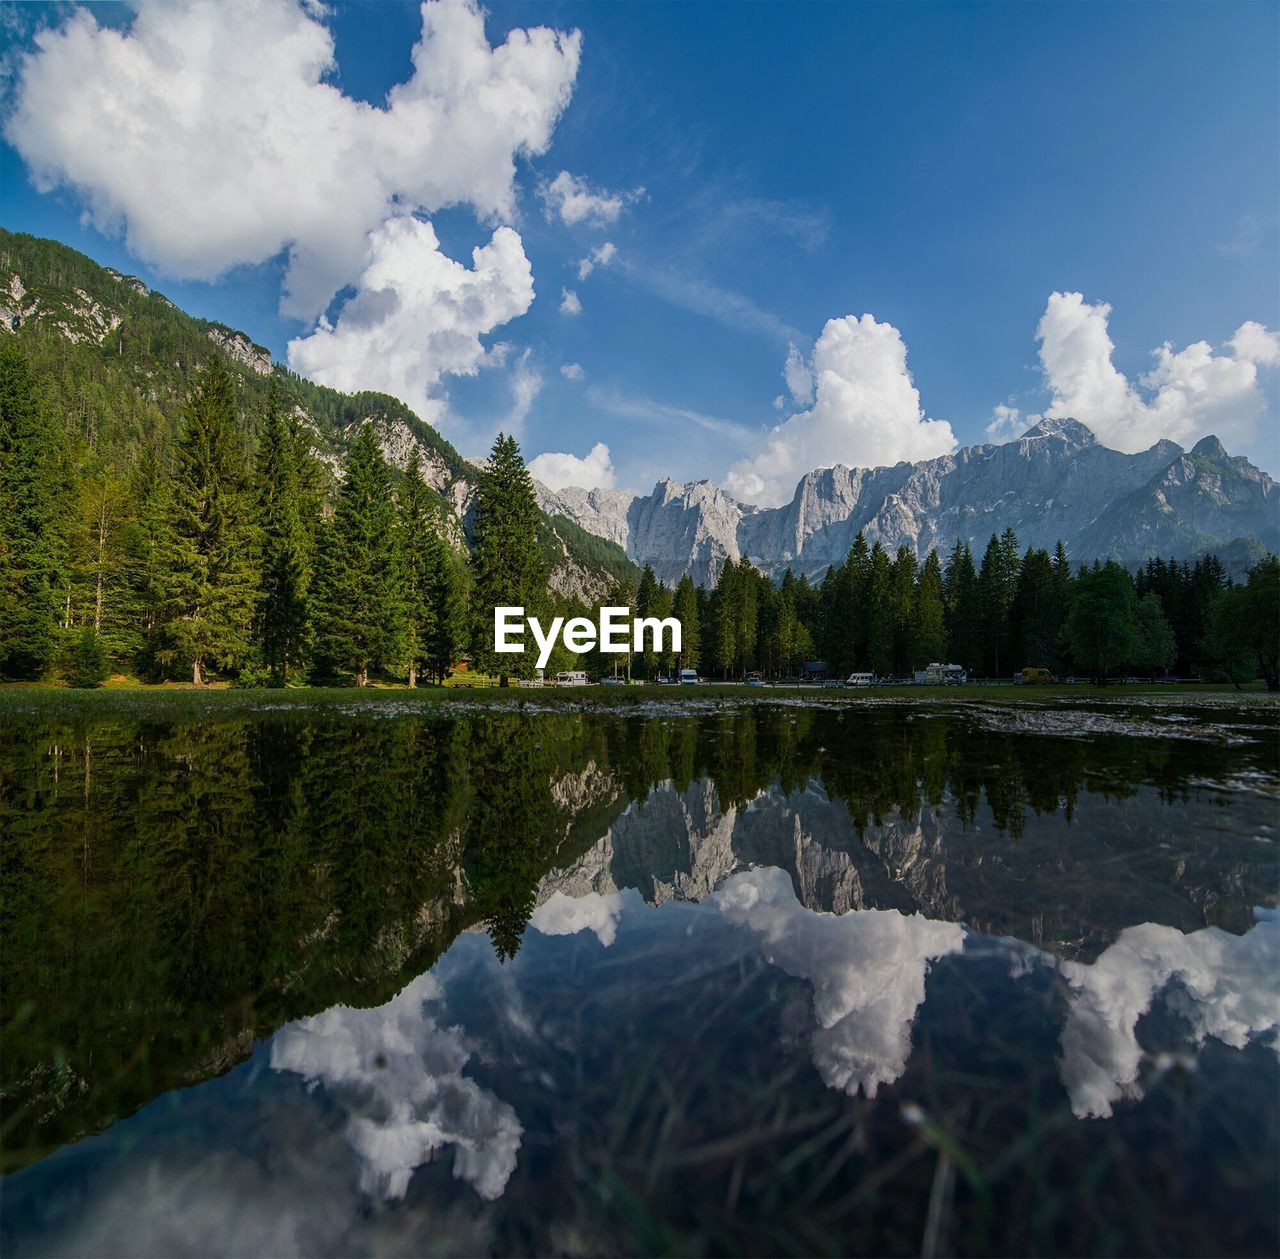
x=941 y=169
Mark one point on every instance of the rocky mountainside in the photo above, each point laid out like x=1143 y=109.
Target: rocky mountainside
x=1055 y=482
x=118 y=360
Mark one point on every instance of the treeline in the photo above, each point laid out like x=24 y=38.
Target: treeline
x=246 y=564
x=1018 y=609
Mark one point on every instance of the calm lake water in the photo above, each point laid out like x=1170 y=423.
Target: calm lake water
x=877 y=979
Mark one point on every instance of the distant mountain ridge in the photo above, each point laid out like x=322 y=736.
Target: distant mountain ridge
x=119 y=359
x=1054 y=482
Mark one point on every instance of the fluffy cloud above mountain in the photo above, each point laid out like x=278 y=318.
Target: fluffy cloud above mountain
x=866 y=412
x=209 y=135
x=419 y=315
x=1190 y=392
x=556 y=470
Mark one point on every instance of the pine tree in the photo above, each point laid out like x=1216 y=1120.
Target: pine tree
x=211 y=576
x=1037 y=613
x=283 y=612
x=32 y=551
x=360 y=613
x=646 y=605
x=417 y=532
x=879 y=605
x=685 y=610
x=963 y=607
x=929 y=636
x=506 y=561
x=148 y=548
x=447 y=604
x=902 y=593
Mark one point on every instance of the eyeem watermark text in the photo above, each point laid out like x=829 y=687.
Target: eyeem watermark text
x=617 y=632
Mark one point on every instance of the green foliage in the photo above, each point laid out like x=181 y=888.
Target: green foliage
x=210 y=576
x=1102 y=623
x=506 y=559
x=84 y=663
x=360 y=611
x=1244 y=634
x=283 y=472
x=33 y=510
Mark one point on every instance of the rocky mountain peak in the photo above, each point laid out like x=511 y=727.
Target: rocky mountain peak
x=1066 y=429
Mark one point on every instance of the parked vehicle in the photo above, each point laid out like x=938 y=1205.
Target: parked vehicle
x=689 y=677
x=571 y=677
x=1033 y=677
x=938 y=674
x=860 y=679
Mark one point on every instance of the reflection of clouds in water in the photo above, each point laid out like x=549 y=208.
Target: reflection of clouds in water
x=562 y=915
x=1228 y=990
x=867 y=968
x=398 y=1075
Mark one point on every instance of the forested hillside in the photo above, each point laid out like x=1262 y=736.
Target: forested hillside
x=116 y=362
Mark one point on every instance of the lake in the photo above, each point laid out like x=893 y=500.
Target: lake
x=882 y=978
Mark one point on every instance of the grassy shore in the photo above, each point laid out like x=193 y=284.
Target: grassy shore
x=184 y=697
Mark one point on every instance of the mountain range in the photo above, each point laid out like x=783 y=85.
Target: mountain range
x=1054 y=482
x=119 y=359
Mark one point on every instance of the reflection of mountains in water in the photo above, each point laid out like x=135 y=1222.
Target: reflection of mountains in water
x=1069 y=888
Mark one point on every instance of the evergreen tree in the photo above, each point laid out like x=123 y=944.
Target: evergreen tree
x=286 y=535
x=929 y=636
x=360 y=610
x=417 y=533
x=963 y=607
x=1036 y=613
x=685 y=610
x=1102 y=623
x=447 y=608
x=148 y=548
x=211 y=578
x=1155 y=639
x=646 y=605
x=32 y=551
x=506 y=561
x=902 y=600
x=879 y=612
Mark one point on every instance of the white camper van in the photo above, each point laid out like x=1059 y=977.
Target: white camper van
x=689 y=677
x=572 y=677
x=860 y=679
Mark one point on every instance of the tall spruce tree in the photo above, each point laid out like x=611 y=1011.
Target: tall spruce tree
x=929 y=635
x=148 y=546
x=506 y=561
x=360 y=614
x=963 y=604
x=685 y=610
x=447 y=604
x=211 y=577
x=32 y=510
x=286 y=534
x=417 y=530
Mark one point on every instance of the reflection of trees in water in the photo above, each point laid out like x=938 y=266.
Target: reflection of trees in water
x=172 y=890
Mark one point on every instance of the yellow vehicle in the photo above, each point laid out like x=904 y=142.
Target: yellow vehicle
x=1029 y=677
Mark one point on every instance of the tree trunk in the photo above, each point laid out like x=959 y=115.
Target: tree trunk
x=362 y=675
x=197 y=671
x=413 y=675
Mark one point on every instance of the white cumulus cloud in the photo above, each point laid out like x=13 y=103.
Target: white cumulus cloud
x=1226 y=988
x=570 y=303
x=601 y=256
x=572 y=371
x=557 y=470
x=418 y=315
x=210 y=133
x=1187 y=394
x=866 y=413
x=397 y=1074
x=562 y=915
x=867 y=968
x=572 y=200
